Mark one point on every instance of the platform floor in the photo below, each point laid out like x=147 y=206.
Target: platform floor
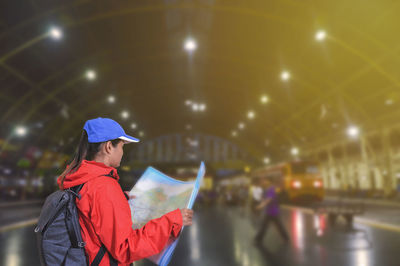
x=224 y=236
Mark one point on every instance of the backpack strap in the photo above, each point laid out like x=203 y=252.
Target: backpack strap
x=72 y=234
x=76 y=241
x=75 y=190
x=110 y=174
x=100 y=255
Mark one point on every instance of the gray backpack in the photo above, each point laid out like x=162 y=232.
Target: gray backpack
x=58 y=232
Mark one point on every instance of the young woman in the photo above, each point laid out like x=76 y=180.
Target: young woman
x=104 y=213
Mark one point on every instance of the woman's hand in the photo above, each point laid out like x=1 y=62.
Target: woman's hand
x=187 y=216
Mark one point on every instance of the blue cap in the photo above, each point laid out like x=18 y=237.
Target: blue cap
x=105 y=129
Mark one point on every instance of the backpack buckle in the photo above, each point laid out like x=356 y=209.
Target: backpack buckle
x=81 y=244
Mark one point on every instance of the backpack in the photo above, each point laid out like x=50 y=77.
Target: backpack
x=59 y=234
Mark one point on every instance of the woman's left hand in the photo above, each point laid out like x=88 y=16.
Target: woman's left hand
x=187 y=216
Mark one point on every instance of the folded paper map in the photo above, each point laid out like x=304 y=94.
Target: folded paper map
x=157 y=194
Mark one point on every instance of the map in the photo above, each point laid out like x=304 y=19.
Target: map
x=157 y=194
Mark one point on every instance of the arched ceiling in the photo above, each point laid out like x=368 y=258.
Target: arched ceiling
x=136 y=50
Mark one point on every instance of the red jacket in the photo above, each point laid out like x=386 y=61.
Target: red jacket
x=105 y=217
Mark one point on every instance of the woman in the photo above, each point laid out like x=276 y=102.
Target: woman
x=104 y=213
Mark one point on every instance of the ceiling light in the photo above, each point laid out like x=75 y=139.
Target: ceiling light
x=251 y=115
x=190 y=45
x=125 y=114
x=320 y=35
x=195 y=107
x=91 y=75
x=21 y=131
x=111 y=99
x=202 y=107
x=264 y=99
x=353 y=131
x=285 y=76
x=55 y=33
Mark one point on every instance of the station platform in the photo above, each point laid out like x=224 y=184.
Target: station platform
x=224 y=235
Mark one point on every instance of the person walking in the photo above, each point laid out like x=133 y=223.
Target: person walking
x=270 y=205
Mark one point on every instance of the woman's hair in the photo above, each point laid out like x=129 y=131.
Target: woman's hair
x=85 y=151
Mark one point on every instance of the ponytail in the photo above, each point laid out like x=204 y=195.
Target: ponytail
x=85 y=151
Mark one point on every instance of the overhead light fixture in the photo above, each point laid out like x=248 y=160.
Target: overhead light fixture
x=125 y=114
x=111 y=99
x=285 y=75
x=320 y=35
x=133 y=125
x=190 y=45
x=234 y=133
x=250 y=115
x=195 y=107
x=55 y=33
x=241 y=125
x=294 y=151
x=264 y=99
x=91 y=75
x=21 y=131
x=202 y=107
x=353 y=131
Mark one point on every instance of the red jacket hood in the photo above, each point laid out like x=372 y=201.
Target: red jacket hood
x=87 y=171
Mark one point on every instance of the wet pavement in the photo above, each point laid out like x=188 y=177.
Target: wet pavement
x=374 y=210
x=382 y=214
x=14 y=213
x=224 y=236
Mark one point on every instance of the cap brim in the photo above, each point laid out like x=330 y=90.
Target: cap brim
x=127 y=138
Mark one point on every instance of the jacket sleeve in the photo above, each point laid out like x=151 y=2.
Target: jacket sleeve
x=111 y=218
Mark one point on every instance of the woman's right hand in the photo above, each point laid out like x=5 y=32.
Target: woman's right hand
x=187 y=216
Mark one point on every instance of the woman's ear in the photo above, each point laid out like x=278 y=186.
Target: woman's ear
x=107 y=147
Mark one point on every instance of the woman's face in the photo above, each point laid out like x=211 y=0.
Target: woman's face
x=116 y=154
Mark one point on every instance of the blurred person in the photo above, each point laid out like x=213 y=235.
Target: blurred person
x=104 y=213
x=228 y=196
x=270 y=205
x=243 y=194
x=242 y=198
x=256 y=193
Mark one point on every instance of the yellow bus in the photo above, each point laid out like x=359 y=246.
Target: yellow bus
x=296 y=179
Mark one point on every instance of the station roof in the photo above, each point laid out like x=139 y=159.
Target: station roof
x=267 y=75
